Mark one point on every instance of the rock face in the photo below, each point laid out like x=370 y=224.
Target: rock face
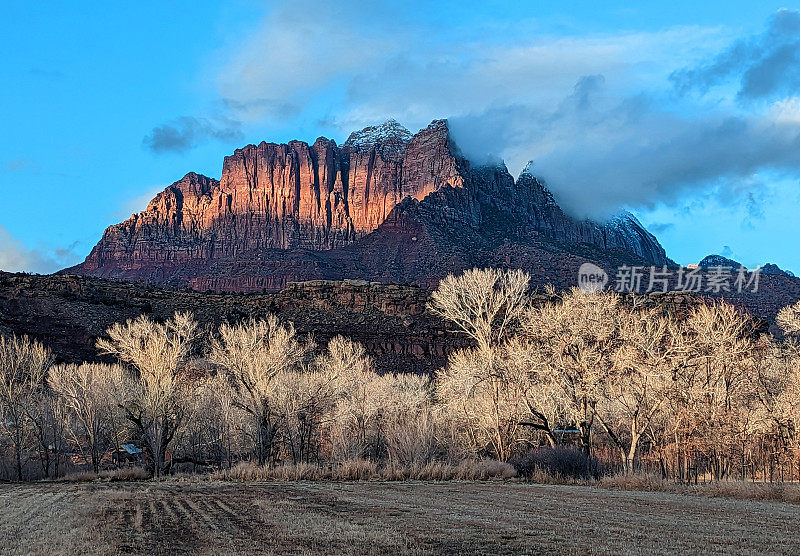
x=69 y=314
x=294 y=212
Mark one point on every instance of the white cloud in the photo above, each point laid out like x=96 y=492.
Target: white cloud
x=299 y=48
x=16 y=257
x=365 y=63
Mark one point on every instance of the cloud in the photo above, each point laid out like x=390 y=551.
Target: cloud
x=259 y=108
x=185 y=133
x=16 y=257
x=287 y=60
x=659 y=228
x=459 y=79
x=763 y=65
x=597 y=114
x=383 y=59
x=599 y=153
x=20 y=164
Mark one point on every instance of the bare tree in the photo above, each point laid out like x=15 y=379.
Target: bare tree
x=86 y=390
x=483 y=303
x=476 y=387
x=578 y=336
x=634 y=392
x=254 y=354
x=23 y=365
x=711 y=401
x=486 y=397
x=226 y=417
x=412 y=427
x=153 y=391
x=48 y=419
x=307 y=397
x=357 y=426
x=788 y=319
x=541 y=393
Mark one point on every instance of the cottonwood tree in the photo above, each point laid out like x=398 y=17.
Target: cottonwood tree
x=225 y=417
x=48 y=418
x=307 y=398
x=484 y=303
x=774 y=384
x=714 y=405
x=578 y=336
x=86 y=391
x=788 y=319
x=23 y=366
x=485 y=395
x=376 y=415
x=255 y=354
x=777 y=375
x=153 y=392
x=476 y=386
x=412 y=427
x=200 y=440
x=357 y=421
x=634 y=392
x=542 y=397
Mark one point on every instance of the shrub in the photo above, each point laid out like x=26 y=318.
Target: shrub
x=561 y=463
x=484 y=469
x=365 y=470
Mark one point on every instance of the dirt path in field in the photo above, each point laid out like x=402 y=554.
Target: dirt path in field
x=382 y=518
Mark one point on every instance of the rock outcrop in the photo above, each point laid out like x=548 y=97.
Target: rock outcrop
x=69 y=314
x=294 y=212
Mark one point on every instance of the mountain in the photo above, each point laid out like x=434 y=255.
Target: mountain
x=769 y=269
x=773 y=269
x=718 y=260
x=386 y=206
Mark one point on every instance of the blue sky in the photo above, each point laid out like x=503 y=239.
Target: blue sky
x=688 y=113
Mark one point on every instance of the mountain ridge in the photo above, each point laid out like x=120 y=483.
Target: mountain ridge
x=385 y=206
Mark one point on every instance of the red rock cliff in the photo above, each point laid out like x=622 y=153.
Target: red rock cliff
x=275 y=205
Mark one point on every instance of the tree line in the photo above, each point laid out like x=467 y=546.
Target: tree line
x=681 y=391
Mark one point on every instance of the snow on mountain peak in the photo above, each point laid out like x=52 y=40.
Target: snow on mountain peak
x=388 y=134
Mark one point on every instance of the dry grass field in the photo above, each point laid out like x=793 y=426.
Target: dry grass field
x=382 y=518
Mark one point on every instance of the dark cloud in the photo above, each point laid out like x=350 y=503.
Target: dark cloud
x=186 y=132
x=764 y=65
x=599 y=153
